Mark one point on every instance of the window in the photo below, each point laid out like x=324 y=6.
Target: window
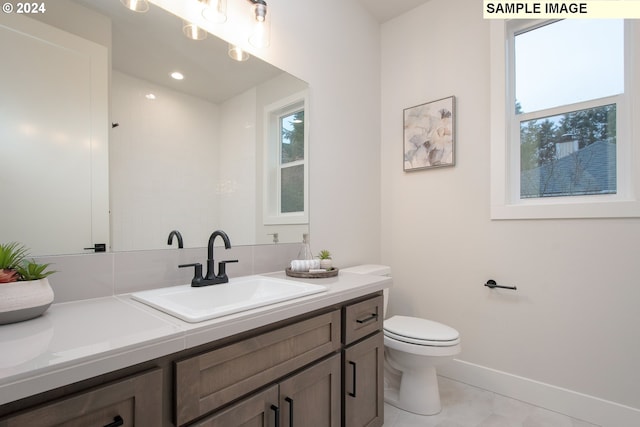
x=561 y=127
x=286 y=162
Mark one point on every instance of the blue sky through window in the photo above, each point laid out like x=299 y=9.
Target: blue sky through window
x=569 y=61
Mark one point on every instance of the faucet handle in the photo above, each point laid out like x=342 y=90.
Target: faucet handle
x=197 y=274
x=222 y=270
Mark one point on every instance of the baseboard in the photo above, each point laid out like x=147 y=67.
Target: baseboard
x=577 y=405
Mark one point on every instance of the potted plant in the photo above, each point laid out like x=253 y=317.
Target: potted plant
x=325 y=259
x=25 y=291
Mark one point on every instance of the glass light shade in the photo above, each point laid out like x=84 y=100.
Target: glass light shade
x=237 y=53
x=261 y=31
x=136 y=5
x=192 y=31
x=214 y=10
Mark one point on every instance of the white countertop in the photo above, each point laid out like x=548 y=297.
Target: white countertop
x=78 y=340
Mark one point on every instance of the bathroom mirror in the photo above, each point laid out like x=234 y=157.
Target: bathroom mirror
x=183 y=155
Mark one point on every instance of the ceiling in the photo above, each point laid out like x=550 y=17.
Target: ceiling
x=151 y=45
x=384 y=10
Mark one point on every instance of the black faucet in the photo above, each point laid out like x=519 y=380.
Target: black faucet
x=211 y=278
x=178 y=236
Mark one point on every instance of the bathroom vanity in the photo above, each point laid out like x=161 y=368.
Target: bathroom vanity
x=312 y=361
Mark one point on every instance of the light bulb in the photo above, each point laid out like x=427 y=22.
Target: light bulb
x=237 y=53
x=136 y=5
x=215 y=10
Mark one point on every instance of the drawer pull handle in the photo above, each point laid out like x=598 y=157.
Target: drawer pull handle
x=290 y=402
x=353 y=393
x=117 y=421
x=373 y=316
x=275 y=409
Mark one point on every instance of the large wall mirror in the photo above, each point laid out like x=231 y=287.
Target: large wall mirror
x=101 y=145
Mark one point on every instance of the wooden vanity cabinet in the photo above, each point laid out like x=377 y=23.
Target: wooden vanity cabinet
x=321 y=369
x=363 y=364
x=208 y=381
x=310 y=398
x=133 y=401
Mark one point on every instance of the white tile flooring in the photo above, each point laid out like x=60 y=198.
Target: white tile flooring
x=467 y=406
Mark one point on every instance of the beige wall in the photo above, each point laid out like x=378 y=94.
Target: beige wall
x=573 y=322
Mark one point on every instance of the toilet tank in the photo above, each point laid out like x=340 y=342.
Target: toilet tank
x=374 y=270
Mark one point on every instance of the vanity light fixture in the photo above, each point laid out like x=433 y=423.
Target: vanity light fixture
x=192 y=31
x=177 y=75
x=261 y=24
x=237 y=53
x=136 y=5
x=214 y=10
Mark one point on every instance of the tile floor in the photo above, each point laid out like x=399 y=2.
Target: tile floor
x=467 y=406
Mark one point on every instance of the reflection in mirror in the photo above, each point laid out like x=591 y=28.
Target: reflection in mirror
x=183 y=155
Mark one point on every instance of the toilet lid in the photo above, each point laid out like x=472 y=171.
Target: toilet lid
x=420 y=331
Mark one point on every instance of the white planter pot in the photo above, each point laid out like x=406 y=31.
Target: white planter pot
x=24 y=300
x=326 y=264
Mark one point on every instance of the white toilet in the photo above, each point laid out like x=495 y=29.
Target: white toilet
x=413 y=349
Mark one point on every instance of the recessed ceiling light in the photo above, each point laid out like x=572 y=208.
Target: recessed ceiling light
x=177 y=75
x=150 y=96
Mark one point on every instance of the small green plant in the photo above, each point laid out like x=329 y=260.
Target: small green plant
x=31 y=270
x=324 y=254
x=11 y=255
x=14 y=267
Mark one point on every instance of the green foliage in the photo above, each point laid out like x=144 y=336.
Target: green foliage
x=11 y=255
x=15 y=267
x=324 y=254
x=31 y=270
x=293 y=139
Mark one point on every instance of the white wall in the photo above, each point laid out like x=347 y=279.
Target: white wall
x=570 y=330
x=236 y=167
x=267 y=93
x=335 y=48
x=175 y=188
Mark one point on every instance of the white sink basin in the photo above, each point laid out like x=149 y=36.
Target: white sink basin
x=240 y=294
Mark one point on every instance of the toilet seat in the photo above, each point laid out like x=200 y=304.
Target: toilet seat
x=417 y=331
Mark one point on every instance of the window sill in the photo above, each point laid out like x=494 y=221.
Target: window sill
x=604 y=209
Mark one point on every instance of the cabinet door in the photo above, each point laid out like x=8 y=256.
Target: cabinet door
x=134 y=401
x=259 y=410
x=209 y=381
x=364 y=387
x=312 y=397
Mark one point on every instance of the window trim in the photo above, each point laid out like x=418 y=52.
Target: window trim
x=506 y=205
x=271 y=196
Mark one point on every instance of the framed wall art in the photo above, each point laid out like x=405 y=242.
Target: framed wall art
x=429 y=135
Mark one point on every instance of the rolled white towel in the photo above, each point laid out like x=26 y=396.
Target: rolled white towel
x=304 y=264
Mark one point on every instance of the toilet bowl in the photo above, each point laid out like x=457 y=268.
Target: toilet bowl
x=414 y=347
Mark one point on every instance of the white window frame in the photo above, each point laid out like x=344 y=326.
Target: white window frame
x=272 y=214
x=505 y=152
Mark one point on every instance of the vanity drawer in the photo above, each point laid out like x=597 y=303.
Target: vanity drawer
x=210 y=380
x=362 y=318
x=133 y=401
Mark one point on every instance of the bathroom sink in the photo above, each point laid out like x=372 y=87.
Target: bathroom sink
x=240 y=294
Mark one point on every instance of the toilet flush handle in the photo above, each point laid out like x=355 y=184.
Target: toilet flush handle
x=492 y=284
